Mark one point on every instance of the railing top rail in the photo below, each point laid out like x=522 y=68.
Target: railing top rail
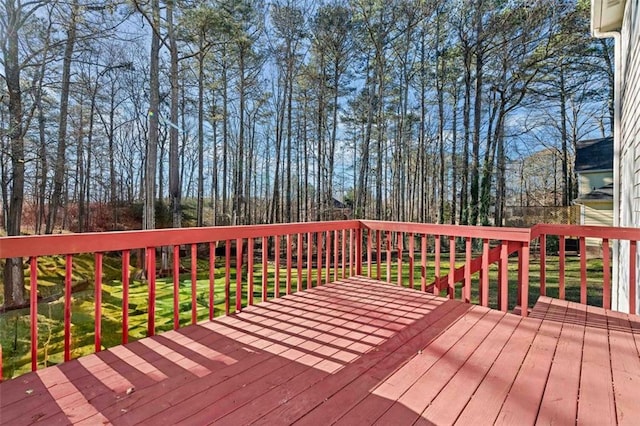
x=45 y=245
x=609 y=232
x=494 y=233
x=94 y=242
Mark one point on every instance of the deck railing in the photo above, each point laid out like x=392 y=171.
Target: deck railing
x=475 y=264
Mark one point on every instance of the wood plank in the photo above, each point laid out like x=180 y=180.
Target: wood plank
x=596 y=399
x=408 y=408
x=385 y=393
x=522 y=404
x=446 y=407
x=486 y=402
x=411 y=338
x=561 y=393
x=625 y=368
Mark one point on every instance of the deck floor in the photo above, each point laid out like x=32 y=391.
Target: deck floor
x=353 y=352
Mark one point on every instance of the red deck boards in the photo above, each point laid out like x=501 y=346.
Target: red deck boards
x=354 y=352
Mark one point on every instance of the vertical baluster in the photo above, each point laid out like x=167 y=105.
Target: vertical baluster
x=265 y=270
x=250 y=243
x=151 y=279
x=194 y=283
x=519 y=292
x=212 y=279
x=583 y=271
x=67 y=306
x=358 y=252
x=319 y=259
x=289 y=255
x=176 y=287
x=388 y=256
x=344 y=253
x=484 y=275
x=378 y=255
x=98 y=305
x=369 y=260
x=411 y=259
x=299 y=248
x=561 y=261
x=452 y=268
x=467 y=271
x=524 y=287
x=227 y=277
x=309 y=259
x=352 y=256
x=606 y=272
x=238 y=274
x=126 y=260
x=543 y=265
x=33 y=311
x=436 y=286
x=400 y=242
x=327 y=261
x=423 y=263
x=276 y=290
x=504 y=276
x=335 y=255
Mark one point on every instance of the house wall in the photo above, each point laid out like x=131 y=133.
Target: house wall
x=629 y=170
x=596 y=214
x=588 y=181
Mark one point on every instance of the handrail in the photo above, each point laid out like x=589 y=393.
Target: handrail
x=92 y=242
x=511 y=234
x=609 y=232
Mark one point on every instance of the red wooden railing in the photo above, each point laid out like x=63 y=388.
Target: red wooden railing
x=601 y=238
x=339 y=249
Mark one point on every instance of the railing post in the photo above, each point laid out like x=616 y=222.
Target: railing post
x=524 y=279
x=484 y=274
x=606 y=286
x=67 y=306
x=151 y=279
x=98 y=300
x=503 y=277
x=176 y=287
x=33 y=311
x=359 y=250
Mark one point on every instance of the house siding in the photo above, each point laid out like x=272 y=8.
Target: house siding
x=629 y=171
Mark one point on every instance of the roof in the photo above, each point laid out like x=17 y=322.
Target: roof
x=604 y=193
x=594 y=154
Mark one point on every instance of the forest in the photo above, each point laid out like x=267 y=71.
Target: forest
x=166 y=113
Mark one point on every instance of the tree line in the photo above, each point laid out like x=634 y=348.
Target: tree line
x=410 y=110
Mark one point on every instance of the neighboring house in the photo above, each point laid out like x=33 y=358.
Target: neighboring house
x=594 y=166
x=620 y=19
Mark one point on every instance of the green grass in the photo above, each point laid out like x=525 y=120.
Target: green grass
x=15 y=329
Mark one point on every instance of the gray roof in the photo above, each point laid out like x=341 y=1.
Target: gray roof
x=601 y=194
x=594 y=154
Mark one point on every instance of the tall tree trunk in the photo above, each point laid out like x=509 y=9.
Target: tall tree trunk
x=466 y=124
x=200 y=193
x=149 y=221
x=13 y=276
x=174 y=160
x=61 y=154
x=477 y=123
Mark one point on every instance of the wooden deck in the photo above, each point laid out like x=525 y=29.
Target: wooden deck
x=354 y=352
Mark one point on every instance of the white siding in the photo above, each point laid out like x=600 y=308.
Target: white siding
x=629 y=173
